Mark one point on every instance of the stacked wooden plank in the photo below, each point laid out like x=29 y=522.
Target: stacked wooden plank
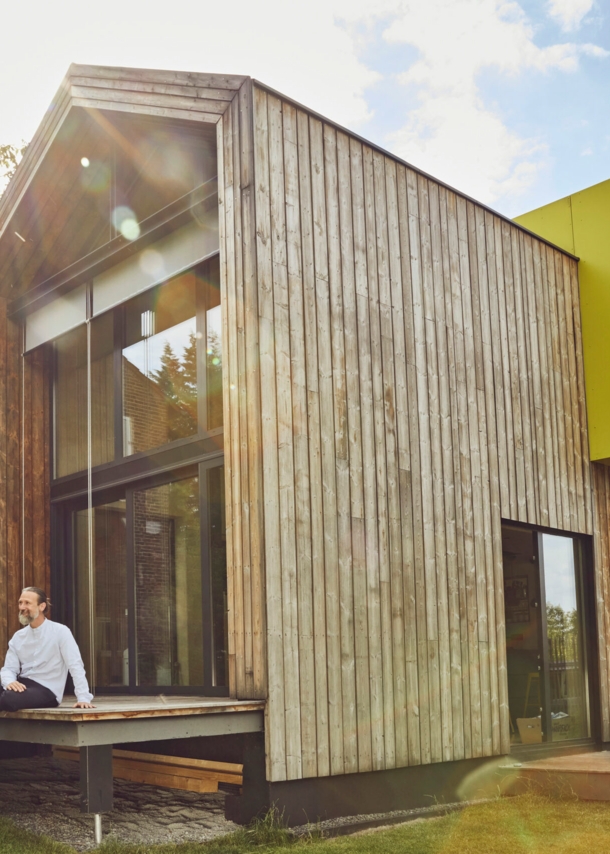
x=172 y=772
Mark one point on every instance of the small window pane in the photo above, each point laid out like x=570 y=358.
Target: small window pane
x=214 y=367
x=160 y=366
x=210 y=279
x=218 y=572
x=169 y=620
x=109 y=592
x=71 y=397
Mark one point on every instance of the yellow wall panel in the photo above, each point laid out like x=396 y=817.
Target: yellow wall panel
x=580 y=223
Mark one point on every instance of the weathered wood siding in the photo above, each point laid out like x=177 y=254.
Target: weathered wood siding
x=24 y=472
x=242 y=401
x=404 y=370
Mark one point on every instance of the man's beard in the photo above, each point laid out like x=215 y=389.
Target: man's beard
x=26 y=619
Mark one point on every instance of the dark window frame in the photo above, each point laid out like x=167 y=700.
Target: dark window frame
x=123 y=475
x=64 y=572
x=203 y=433
x=584 y=559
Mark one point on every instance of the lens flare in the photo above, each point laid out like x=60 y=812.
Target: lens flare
x=125 y=222
x=151 y=262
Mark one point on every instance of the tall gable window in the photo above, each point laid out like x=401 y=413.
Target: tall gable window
x=120 y=290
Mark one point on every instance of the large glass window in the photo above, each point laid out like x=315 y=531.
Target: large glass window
x=150 y=610
x=147 y=592
x=155 y=374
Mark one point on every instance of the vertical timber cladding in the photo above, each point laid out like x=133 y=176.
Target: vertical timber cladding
x=242 y=400
x=24 y=471
x=404 y=371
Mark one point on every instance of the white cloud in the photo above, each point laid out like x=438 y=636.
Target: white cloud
x=313 y=51
x=300 y=48
x=453 y=133
x=586 y=152
x=569 y=13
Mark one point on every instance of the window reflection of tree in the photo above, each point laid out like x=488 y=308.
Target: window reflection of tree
x=563 y=632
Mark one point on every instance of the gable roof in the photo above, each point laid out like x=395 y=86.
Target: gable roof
x=168 y=94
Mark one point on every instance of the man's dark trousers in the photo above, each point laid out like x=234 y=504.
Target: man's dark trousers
x=35 y=696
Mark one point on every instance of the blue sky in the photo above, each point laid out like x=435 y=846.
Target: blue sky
x=505 y=100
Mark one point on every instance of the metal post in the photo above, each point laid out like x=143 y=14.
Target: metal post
x=96 y=778
x=97 y=819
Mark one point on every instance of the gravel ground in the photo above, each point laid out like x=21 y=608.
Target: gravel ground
x=41 y=795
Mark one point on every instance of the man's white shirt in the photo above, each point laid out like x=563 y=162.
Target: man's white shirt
x=46 y=654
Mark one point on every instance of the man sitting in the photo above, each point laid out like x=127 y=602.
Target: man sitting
x=38 y=660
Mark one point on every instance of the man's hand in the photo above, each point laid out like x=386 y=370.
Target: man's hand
x=83 y=706
x=16 y=686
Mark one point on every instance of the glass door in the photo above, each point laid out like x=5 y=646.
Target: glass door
x=168 y=584
x=149 y=584
x=545 y=631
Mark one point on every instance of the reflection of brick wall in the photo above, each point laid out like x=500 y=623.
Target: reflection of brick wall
x=110 y=594
x=71 y=420
x=154 y=549
x=145 y=404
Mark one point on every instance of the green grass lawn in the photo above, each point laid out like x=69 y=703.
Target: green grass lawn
x=522 y=825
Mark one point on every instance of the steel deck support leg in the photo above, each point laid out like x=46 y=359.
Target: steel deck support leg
x=97 y=819
x=96 y=783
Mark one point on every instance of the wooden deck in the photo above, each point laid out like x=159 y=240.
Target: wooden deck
x=584 y=775
x=121 y=708
x=117 y=719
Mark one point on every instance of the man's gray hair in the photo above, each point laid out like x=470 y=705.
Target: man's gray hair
x=42 y=596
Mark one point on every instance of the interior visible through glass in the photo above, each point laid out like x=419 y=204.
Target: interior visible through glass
x=70 y=397
x=168 y=585
x=109 y=593
x=523 y=634
x=160 y=366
